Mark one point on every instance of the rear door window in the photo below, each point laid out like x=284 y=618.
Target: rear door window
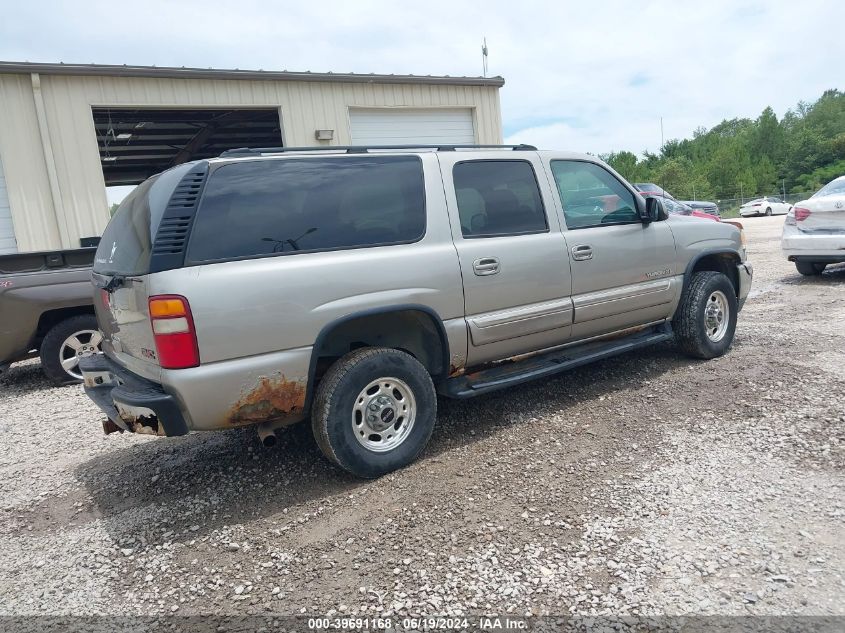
x=498 y=197
x=294 y=205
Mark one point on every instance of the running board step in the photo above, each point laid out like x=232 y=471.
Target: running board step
x=507 y=374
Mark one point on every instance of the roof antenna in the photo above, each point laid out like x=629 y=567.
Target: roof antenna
x=662 y=145
x=484 y=55
x=661 y=133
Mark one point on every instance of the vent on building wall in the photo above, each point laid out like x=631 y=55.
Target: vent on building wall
x=168 y=250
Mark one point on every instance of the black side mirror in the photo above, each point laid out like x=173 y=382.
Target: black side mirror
x=653 y=211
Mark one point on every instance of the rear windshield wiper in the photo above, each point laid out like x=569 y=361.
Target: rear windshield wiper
x=108 y=282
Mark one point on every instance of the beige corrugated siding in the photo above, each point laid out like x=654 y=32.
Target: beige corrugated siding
x=28 y=188
x=304 y=107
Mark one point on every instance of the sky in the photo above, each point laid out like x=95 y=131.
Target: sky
x=591 y=76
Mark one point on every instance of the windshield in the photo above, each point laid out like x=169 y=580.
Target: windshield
x=834 y=188
x=647 y=186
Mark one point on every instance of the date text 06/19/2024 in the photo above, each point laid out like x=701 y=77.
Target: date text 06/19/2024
x=418 y=624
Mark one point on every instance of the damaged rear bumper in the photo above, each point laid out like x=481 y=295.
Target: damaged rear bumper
x=130 y=402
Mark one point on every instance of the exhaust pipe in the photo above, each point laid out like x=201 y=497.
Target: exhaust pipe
x=111 y=427
x=267 y=436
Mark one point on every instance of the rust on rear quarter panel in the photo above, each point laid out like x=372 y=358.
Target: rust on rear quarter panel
x=270 y=399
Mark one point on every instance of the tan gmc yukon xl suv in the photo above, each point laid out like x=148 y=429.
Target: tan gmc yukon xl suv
x=351 y=285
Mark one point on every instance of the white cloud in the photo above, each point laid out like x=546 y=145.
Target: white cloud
x=594 y=76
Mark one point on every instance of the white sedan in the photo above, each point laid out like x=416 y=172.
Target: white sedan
x=814 y=230
x=767 y=205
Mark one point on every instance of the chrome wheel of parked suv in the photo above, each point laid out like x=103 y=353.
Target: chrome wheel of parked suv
x=374 y=411
x=383 y=414
x=716 y=316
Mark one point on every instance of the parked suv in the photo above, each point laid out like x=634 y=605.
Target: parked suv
x=350 y=285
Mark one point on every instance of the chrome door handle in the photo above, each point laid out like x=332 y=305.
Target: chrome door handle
x=582 y=252
x=485 y=266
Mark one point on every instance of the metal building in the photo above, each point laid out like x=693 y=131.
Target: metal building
x=69 y=131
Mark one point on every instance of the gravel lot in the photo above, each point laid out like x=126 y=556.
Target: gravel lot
x=647 y=484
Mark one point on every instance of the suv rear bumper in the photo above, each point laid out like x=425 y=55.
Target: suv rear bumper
x=130 y=402
x=745 y=273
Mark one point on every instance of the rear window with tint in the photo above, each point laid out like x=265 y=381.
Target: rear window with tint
x=267 y=207
x=126 y=243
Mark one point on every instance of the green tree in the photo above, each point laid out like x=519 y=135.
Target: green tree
x=749 y=157
x=627 y=164
x=768 y=137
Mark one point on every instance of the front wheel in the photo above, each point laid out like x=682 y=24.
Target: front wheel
x=706 y=318
x=374 y=411
x=810 y=269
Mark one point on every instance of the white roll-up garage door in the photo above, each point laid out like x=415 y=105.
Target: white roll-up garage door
x=7 y=231
x=389 y=126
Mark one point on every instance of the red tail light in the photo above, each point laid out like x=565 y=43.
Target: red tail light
x=801 y=213
x=104 y=297
x=756 y=204
x=174 y=333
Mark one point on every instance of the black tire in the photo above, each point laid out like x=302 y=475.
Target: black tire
x=810 y=269
x=769 y=211
x=335 y=399
x=51 y=347
x=691 y=332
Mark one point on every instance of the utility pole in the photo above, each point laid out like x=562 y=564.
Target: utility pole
x=783 y=188
x=662 y=180
x=741 y=197
x=484 y=55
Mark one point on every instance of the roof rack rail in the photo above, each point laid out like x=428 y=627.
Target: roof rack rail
x=363 y=149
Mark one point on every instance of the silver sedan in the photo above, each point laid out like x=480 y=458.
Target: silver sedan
x=814 y=230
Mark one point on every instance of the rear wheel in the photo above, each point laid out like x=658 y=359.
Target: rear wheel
x=706 y=318
x=769 y=211
x=374 y=411
x=810 y=269
x=65 y=344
